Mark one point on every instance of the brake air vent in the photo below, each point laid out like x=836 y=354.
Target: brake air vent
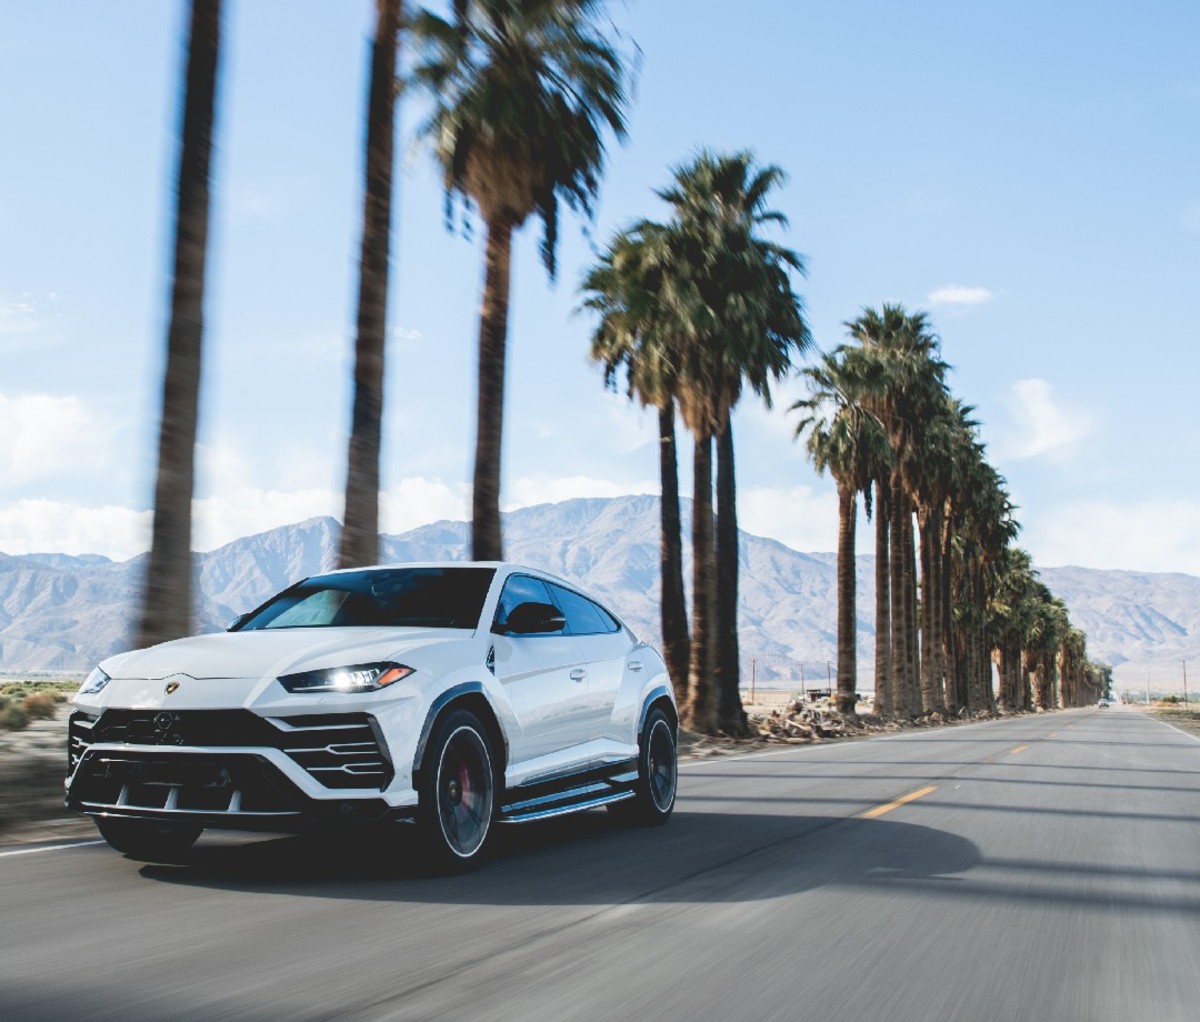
x=343 y=750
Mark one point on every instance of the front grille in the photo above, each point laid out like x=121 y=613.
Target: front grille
x=343 y=750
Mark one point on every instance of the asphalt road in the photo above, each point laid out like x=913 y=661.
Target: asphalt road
x=1051 y=872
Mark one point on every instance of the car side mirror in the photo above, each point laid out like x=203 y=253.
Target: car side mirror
x=535 y=618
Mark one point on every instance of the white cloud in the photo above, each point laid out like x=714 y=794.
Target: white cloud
x=1045 y=426
x=957 y=295
x=47 y=526
x=418 y=501
x=45 y=436
x=1189 y=219
x=797 y=516
x=1158 y=535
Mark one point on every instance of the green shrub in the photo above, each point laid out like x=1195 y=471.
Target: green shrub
x=40 y=706
x=1172 y=700
x=13 y=718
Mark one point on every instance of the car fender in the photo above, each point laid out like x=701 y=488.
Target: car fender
x=444 y=699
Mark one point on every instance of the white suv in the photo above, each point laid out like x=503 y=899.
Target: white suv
x=449 y=695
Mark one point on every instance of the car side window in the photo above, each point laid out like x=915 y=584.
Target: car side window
x=517 y=590
x=583 y=616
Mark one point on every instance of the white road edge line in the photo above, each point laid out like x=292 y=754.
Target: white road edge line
x=49 y=848
x=1186 y=734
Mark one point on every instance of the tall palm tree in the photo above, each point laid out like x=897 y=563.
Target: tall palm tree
x=167 y=606
x=523 y=94
x=846 y=439
x=628 y=289
x=901 y=355
x=360 y=521
x=743 y=323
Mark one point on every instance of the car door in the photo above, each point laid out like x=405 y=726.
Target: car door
x=606 y=647
x=545 y=681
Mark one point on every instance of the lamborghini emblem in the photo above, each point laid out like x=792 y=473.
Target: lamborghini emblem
x=172 y=686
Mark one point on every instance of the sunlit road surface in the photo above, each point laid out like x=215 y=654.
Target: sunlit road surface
x=1046 y=868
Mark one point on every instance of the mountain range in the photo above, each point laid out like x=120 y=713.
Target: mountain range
x=63 y=613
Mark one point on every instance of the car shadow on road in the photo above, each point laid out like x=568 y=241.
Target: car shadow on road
x=587 y=859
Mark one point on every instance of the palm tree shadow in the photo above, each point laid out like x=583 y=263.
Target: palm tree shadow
x=587 y=859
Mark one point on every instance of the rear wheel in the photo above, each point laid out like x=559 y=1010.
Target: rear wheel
x=458 y=792
x=654 y=798
x=148 y=840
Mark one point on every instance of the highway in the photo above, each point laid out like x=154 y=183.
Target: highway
x=1037 y=868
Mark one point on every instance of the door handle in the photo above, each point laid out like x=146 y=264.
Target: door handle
x=578 y=674
x=634 y=665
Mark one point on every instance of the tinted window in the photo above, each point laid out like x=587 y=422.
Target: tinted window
x=517 y=590
x=583 y=616
x=395 y=597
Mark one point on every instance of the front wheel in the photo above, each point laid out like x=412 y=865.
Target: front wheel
x=148 y=840
x=458 y=789
x=654 y=798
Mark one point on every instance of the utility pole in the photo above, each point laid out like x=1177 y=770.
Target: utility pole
x=1185 y=699
x=1147 y=686
x=753 y=673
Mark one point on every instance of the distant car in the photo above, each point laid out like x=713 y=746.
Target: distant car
x=449 y=695
x=1104 y=704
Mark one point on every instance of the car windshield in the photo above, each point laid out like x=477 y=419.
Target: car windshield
x=394 y=597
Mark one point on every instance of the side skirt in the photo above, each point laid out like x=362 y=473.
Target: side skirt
x=570 y=794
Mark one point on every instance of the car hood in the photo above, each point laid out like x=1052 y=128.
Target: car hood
x=273 y=652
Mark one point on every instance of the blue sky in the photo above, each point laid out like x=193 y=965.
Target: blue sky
x=1028 y=173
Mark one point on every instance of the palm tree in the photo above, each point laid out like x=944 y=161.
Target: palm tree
x=167 y=608
x=741 y=323
x=523 y=93
x=899 y=351
x=360 y=521
x=848 y=441
x=628 y=290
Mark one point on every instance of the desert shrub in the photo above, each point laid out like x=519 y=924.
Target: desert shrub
x=13 y=718
x=40 y=706
x=1172 y=700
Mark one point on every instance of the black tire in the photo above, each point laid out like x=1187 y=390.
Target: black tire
x=658 y=775
x=458 y=793
x=149 y=840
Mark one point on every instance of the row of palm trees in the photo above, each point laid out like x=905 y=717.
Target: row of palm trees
x=523 y=95
x=691 y=310
x=953 y=593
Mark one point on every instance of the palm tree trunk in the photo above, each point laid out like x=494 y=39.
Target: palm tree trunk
x=954 y=701
x=847 y=635
x=700 y=713
x=731 y=717
x=674 y=610
x=899 y=637
x=883 y=646
x=167 y=607
x=493 y=334
x=931 y=698
x=913 y=665
x=360 y=528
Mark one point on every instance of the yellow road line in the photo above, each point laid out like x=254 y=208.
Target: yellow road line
x=870 y=814
x=1019 y=748
x=1053 y=734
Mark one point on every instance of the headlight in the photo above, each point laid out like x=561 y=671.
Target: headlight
x=95 y=682
x=359 y=678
